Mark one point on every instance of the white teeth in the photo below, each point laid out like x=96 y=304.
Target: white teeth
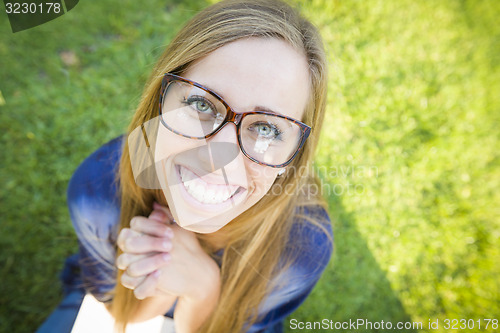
x=219 y=197
x=205 y=192
x=210 y=196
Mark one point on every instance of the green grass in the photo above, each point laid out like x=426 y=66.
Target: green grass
x=409 y=155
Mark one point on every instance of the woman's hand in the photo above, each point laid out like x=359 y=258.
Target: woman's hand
x=190 y=273
x=165 y=259
x=145 y=245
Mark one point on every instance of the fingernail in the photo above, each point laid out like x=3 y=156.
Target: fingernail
x=166 y=245
x=156 y=273
x=165 y=257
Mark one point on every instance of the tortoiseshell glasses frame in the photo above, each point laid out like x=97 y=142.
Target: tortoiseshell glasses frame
x=232 y=117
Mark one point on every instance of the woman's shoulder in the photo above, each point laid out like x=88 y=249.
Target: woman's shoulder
x=95 y=177
x=307 y=254
x=311 y=238
x=93 y=193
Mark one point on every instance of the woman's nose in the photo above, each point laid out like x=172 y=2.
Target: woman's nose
x=226 y=134
x=224 y=149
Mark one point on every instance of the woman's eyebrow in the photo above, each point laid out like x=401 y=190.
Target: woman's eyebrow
x=256 y=108
x=263 y=108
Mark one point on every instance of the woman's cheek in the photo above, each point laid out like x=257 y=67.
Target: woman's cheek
x=263 y=179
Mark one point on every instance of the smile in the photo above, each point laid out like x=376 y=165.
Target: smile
x=206 y=193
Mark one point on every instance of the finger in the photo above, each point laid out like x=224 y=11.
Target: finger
x=148 y=265
x=131 y=282
x=124 y=238
x=150 y=226
x=148 y=286
x=166 y=210
x=125 y=259
x=125 y=233
x=131 y=241
x=161 y=215
x=145 y=244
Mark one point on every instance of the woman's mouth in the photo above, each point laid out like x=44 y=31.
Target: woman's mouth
x=206 y=193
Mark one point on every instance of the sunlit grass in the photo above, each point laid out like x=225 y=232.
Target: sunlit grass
x=411 y=131
x=415 y=98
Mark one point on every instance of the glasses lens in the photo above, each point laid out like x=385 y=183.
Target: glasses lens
x=270 y=139
x=190 y=110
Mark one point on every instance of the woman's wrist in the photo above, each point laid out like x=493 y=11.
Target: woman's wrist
x=190 y=313
x=193 y=310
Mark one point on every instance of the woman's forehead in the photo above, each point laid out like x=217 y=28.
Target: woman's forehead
x=256 y=72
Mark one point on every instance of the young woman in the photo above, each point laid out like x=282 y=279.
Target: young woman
x=206 y=211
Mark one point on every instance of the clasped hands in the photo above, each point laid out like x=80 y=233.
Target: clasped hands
x=161 y=258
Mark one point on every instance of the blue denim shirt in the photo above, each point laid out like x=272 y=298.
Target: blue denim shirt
x=94 y=205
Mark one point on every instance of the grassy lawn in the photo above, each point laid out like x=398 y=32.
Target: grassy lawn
x=409 y=158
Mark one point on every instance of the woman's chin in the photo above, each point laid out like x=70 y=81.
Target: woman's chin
x=190 y=220
x=201 y=229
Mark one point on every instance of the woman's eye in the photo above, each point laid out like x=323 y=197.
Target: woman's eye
x=266 y=130
x=201 y=105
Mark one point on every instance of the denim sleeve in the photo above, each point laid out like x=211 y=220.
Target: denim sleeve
x=311 y=248
x=95 y=210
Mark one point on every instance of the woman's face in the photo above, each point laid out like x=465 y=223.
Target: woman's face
x=207 y=183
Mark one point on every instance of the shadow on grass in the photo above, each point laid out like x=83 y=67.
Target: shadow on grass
x=353 y=286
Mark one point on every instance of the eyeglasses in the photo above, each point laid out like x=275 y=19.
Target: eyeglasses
x=193 y=111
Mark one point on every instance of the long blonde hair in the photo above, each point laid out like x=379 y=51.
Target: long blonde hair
x=257 y=238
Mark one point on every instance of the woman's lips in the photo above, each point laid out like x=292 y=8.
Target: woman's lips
x=204 y=192
x=217 y=197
